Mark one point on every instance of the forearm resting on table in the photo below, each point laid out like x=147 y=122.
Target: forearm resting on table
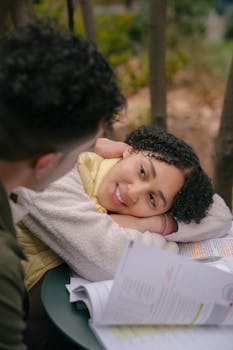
x=163 y=224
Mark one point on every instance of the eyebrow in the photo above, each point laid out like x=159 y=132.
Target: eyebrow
x=160 y=193
x=152 y=168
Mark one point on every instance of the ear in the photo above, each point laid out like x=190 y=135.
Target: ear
x=45 y=161
x=127 y=152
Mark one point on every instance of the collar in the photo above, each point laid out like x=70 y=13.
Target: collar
x=6 y=221
x=17 y=210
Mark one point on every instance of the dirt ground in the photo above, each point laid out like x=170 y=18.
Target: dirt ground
x=193 y=112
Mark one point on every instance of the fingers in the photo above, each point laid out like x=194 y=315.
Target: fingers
x=109 y=148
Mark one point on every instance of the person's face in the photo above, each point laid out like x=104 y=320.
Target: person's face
x=62 y=163
x=140 y=186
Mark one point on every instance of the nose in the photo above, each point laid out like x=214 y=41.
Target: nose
x=135 y=191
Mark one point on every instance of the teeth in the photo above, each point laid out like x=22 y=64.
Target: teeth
x=119 y=196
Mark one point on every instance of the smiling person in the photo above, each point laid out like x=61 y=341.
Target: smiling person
x=140 y=186
x=157 y=174
x=156 y=187
x=128 y=186
x=56 y=94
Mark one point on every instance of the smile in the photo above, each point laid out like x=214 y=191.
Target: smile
x=118 y=196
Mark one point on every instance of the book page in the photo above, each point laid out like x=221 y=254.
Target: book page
x=94 y=295
x=157 y=287
x=218 y=247
x=75 y=282
x=164 y=338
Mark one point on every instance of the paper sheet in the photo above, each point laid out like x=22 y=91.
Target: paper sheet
x=164 y=338
x=177 y=291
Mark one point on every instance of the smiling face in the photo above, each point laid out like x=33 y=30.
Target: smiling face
x=140 y=186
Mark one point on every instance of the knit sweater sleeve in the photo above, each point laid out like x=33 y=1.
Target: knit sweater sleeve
x=216 y=224
x=65 y=218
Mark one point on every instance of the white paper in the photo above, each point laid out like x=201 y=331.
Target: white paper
x=75 y=282
x=156 y=287
x=164 y=338
x=93 y=294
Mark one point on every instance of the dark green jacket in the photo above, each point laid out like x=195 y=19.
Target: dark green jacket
x=12 y=290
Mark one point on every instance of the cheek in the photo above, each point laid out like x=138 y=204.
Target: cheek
x=115 y=175
x=126 y=173
x=66 y=166
x=141 y=210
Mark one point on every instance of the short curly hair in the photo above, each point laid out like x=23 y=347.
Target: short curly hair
x=193 y=200
x=55 y=88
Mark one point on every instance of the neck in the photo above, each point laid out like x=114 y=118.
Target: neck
x=14 y=174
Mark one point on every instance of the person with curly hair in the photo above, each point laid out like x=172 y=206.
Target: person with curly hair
x=190 y=200
x=57 y=93
x=156 y=186
x=157 y=174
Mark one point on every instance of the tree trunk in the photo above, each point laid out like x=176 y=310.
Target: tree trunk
x=22 y=12
x=223 y=162
x=70 y=12
x=128 y=4
x=4 y=12
x=89 y=20
x=157 y=65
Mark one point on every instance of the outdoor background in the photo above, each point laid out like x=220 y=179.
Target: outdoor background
x=199 y=47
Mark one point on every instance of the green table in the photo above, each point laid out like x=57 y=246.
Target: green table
x=72 y=322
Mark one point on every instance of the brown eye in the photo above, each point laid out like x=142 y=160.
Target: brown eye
x=152 y=200
x=142 y=172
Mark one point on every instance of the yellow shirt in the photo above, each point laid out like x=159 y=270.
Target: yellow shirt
x=92 y=169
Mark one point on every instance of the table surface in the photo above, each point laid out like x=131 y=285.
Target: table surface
x=72 y=322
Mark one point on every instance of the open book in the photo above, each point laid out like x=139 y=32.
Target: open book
x=154 y=290
x=218 y=247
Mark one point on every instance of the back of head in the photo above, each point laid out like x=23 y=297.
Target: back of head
x=55 y=88
x=195 y=197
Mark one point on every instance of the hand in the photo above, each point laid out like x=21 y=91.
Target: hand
x=110 y=149
x=169 y=224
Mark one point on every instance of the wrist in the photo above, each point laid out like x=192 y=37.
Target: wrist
x=163 y=224
x=168 y=224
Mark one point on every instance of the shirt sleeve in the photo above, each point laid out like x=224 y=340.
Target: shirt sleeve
x=12 y=296
x=216 y=224
x=65 y=218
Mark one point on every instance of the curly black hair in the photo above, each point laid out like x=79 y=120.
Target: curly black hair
x=55 y=88
x=193 y=200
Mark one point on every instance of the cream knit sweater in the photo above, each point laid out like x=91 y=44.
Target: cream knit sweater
x=65 y=218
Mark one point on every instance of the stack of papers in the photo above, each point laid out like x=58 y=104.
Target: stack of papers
x=159 y=300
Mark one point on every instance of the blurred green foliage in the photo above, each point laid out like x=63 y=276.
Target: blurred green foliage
x=114 y=36
x=123 y=40
x=123 y=37
x=134 y=73
x=119 y=35
x=189 y=16
x=52 y=11
x=218 y=57
x=176 y=60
